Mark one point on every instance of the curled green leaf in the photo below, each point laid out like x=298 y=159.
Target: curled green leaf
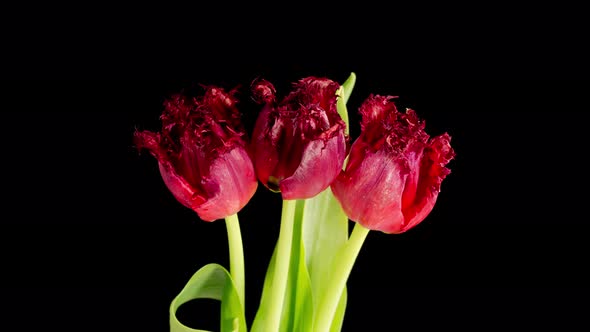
x=212 y=281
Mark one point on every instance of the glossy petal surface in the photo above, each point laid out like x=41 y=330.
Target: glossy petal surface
x=299 y=144
x=202 y=153
x=395 y=171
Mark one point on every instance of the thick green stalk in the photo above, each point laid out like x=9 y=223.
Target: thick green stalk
x=340 y=272
x=281 y=272
x=236 y=256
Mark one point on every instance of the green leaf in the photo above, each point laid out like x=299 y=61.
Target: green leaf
x=259 y=320
x=344 y=93
x=212 y=281
x=347 y=86
x=325 y=232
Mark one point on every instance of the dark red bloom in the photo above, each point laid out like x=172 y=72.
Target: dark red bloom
x=299 y=144
x=202 y=153
x=395 y=170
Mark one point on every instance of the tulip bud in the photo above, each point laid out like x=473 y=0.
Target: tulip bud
x=202 y=153
x=298 y=144
x=394 y=172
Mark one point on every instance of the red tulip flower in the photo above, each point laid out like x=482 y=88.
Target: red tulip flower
x=202 y=153
x=298 y=144
x=394 y=172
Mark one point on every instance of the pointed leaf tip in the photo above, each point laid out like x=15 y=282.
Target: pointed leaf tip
x=347 y=86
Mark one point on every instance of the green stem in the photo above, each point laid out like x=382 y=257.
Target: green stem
x=281 y=271
x=236 y=256
x=340 y=272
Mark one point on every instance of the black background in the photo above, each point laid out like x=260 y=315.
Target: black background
x=91 y=239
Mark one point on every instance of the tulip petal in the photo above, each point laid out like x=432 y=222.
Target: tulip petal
x=291 y=134
x=264 y=153
x=320 y=164
x=432 y=171
x=371 y=192
x=201 y=153
x=394 y=171
x=179 y=187
x=231 y=184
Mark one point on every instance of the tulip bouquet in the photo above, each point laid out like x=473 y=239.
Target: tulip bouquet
x=387 y=180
